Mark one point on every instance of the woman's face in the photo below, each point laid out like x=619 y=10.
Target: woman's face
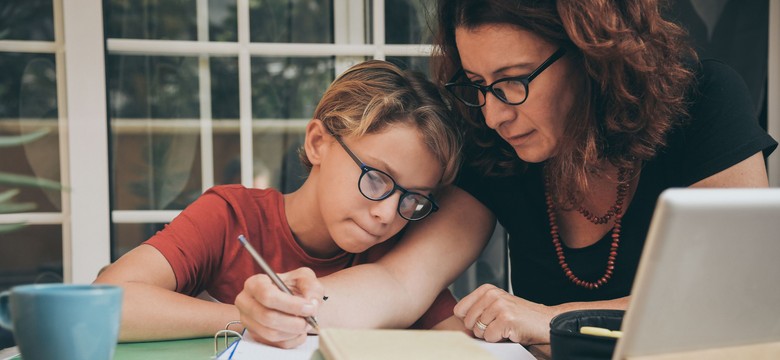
x=535 y=127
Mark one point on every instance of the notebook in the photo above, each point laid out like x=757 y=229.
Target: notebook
x=351 y=344
x=709 y=276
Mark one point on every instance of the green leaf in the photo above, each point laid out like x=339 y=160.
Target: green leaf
x=6 y=141
x=7 y=208
x=6 y=228
x=7 y=195
x=13 y=179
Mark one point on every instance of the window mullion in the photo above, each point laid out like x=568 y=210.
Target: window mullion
x=204 y=87
x=88 y=248
x=245 y=93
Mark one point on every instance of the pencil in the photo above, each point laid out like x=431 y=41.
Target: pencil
x=275 y=278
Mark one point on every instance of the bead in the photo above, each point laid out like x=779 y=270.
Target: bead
x=615 y=211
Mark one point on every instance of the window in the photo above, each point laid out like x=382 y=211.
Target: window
x=198 y=93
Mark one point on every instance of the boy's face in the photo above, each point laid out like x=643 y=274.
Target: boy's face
x=354 y=222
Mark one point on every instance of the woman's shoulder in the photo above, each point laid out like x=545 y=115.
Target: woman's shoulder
x=716 y=81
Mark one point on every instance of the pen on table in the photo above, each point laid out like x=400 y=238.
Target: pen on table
x=275 y=278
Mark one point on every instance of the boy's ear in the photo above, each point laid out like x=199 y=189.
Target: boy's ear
x=317 y=141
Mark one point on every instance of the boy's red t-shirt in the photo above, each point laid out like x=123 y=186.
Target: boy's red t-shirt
x=201 y=246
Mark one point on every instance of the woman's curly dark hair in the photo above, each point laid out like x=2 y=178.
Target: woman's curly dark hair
x=637 y=80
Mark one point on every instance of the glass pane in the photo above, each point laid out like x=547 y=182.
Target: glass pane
x=153 y=86
x=128 y=236
x=291 y=21
x=151 y=19
x=28 y=104
x=416 y=63
x=276 y=163
x=153 y=105
x=284 y=89
x=409 y=20
x=223 y=23
x=26 y=20
x=289 y=88
x=37 y=256
x=227 y=153
x=224 y=87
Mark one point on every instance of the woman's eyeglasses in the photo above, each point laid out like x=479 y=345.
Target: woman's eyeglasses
x=377 y=185
x=510 y=90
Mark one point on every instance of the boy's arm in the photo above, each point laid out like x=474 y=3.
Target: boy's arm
x=395 y=291
x=391 y=293
x=152 y=309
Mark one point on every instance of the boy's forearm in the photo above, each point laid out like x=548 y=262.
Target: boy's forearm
x=152 y=313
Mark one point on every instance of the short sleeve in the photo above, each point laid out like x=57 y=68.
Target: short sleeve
x=723 y=128
x=193 y=242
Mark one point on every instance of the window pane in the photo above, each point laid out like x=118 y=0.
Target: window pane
x=291 y=21
x=284 y=89
x=224 y=87
x=128 y=236
x=151 y=19
x=227 y=153
x=223 y=23
x=409 y=21
x=288 y=88
x=26 y=20
x=416 y=63
x=153 y=105
x=37 y=256
x=276 y=163
x=28 y=103
x=153 y=86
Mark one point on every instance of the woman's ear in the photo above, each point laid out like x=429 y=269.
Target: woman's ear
x=317 y=141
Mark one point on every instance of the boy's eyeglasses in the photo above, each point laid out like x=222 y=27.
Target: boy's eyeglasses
x=510 y=90
x=377 y=185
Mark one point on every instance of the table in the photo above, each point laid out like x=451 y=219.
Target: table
x=204 y=348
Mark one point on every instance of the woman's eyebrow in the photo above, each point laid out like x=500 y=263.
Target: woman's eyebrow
x=518 y=66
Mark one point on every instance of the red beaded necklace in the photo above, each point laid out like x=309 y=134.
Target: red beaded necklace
x=616 y=210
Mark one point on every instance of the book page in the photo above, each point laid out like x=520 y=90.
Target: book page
x=249 y=349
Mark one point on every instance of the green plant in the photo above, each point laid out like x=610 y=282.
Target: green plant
x=7 y=203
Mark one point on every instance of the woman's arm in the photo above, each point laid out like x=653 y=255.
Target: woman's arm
x=391 y=293
x=151 y=309
x=514 y=318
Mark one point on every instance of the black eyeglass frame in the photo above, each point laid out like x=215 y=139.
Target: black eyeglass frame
x=404 y=193
x=524 y=79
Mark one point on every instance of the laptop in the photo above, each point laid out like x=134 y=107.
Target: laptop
x=709 y=276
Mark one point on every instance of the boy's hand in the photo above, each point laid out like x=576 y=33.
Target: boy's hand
x=275 y=318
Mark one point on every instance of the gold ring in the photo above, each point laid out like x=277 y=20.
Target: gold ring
x=480 y=325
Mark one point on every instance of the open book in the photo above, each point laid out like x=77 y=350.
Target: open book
x=398 y=341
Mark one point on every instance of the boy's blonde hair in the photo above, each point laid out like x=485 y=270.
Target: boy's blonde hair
x=370 y=96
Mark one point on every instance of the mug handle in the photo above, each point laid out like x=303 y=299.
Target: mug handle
x=5 y=313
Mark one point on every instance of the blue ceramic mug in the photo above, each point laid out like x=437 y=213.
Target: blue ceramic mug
x=63 y=321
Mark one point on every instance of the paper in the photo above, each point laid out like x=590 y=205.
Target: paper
x=249 y=349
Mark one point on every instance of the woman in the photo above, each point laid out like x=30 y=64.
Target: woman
x=581 y=113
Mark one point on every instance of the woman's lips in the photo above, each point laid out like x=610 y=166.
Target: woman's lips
x=519 y=139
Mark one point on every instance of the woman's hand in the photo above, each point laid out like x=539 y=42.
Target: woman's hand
x=274 y=317
x=505 y=316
